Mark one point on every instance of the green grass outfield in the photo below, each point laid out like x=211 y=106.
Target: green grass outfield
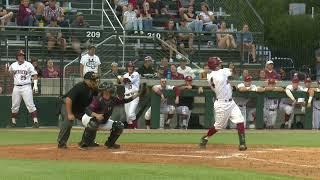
x=40 y=169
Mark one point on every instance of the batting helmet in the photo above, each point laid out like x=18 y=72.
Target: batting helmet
x=105 y=86
x=214 y=62
x=20 y=52
x=188 y=78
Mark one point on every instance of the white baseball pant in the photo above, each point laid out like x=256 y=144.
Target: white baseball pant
x=225 y=110
x=270 y=117
x=164 y=109
x=288 y=109
x=186 y=112
x=130 y=109
x=107 y=126
x=25 y=93
x=316 y=118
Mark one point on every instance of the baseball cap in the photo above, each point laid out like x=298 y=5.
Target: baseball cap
x=248 y=78
x=188 y=78
x=91 y=76
x=114 y=64
x=269 y=62
x=295 y=80
x=148 y=58
x=271 y=81
x=91 y=46
x=79 y=14
x=308 y=80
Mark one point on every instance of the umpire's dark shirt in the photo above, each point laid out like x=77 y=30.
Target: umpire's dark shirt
x=81 y=96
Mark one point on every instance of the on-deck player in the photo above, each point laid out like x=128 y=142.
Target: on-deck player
x=165 y=109
x=224 y=106
x=131 y=81
x=22 y=72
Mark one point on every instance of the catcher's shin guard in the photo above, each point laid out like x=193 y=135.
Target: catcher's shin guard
x=116 y=131
x=88 y=137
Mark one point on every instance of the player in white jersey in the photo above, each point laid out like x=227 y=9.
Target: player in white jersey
x=224 y=106
x=22 y=72
x=131 y=81
x=287 y=104
x=165 y=109
x=90 y=62
x=316 y=108
x=271 y=105
x=246 y=86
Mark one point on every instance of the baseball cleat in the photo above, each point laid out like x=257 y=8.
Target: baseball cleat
x=114 y=146
x=11 y=125
x=94 y=144
x=203 y=142
x=83 y=147
x=35 y=125
x=166 y=126
x=242 y=147
x=62 y=146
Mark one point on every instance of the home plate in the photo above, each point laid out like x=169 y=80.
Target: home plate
x=121 y=152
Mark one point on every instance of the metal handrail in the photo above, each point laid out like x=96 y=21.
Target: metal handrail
x=108 y=19
x=114 y=14
x=97 y=45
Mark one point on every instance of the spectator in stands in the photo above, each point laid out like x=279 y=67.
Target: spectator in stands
x=77 y=37
x=55 y=36
x=234 y=71
x=162 y=19
x=283 y=74
x=130 y=20
x=262 y=75
x=39 y=14
x=203 y=74
x=121 y=7
x=317 y=67
x=156 y=5
x=245 y=73
x=163 y=67
x=208 y=18
x=1 y=90
x=194 y=23
x=34 y=62
x=5 y=16
x=145 y=15
x=247 y=42
x=270 y=72
x=52 y=11
x=114 y=71
x=225 y=40
x=170 y=38
x=184 y=69
x=24 y=16
x=146 y=68
x=185 y=35
x=50 y=71
x=175 y=75
x=183 y=5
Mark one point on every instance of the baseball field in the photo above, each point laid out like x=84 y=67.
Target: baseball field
x=161 y=154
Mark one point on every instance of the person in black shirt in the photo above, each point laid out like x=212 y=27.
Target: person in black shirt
x=147 y=67
x=185 y=104
x=104 y=104
x=76 y=101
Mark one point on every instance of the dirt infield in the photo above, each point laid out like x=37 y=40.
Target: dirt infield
x=279 y=160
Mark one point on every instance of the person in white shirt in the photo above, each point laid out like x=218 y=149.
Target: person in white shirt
x=131 y=81
x=90 y=62
x=224 y=106
x=207 y=17
x=130 y=20
x=165 y=109
x=246 y=86
x=316 y=107
x=184 y=69
x=287 y=104
x=23 y=72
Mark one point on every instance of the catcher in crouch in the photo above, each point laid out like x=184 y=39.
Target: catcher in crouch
x=103 y=105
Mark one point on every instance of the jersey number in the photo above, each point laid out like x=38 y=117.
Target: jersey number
x=23 y=78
